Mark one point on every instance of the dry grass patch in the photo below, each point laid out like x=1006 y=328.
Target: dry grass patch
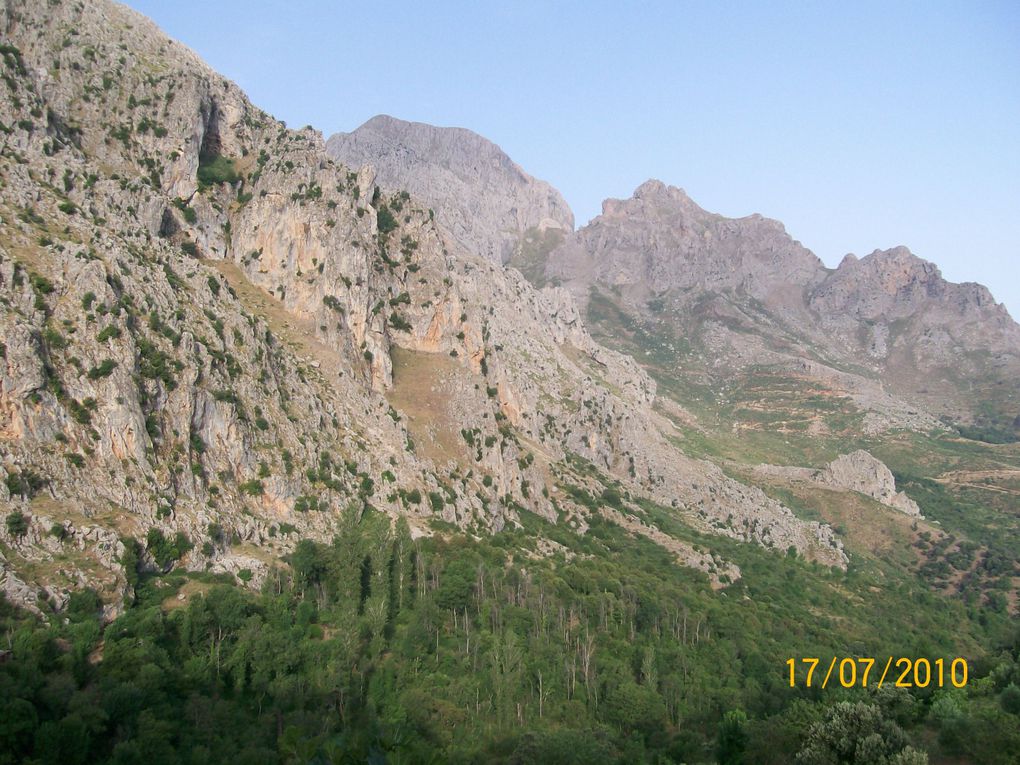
x=422 y=385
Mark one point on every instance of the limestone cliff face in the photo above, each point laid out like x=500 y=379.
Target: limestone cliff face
x=212 y=329
x=481 y=197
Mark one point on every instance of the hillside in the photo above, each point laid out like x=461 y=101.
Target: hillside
x=206 y=307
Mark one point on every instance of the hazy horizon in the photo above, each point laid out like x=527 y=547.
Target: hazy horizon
x=860 y=128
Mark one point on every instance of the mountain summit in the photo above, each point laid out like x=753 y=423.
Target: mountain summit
x=482 y=197
x=660 y=240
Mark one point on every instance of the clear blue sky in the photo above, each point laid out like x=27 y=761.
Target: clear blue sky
x=860 y=125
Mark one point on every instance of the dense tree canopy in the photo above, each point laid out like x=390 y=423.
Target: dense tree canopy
x=381 y=648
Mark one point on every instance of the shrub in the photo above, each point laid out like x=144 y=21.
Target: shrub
x=54 y=339
x=384 y=220
x=213 y=170
x=154 y=364
x=398 y=322
x=163 y=551
x=437 y=501
x=25 y=484
x=188 y=212
x=105 y=369
x=82 y=412
x=41 y=283
x=253 y=488
x=612 y=498
x=83 y=604
x=17 y=524
x=109 y=332
x=306 y=502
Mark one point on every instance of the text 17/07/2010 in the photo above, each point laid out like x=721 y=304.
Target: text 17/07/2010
x=858 y=672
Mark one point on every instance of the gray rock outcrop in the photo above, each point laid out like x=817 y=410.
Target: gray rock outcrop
x=861 y=472
x=858 y=471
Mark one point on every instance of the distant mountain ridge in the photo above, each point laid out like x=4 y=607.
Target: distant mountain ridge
x=741 y=289
x=737 y=282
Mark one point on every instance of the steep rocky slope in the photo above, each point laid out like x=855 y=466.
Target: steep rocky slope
x=215 y=337
x=482 y=197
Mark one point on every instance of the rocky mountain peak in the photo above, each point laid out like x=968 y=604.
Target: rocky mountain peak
x=660 y=240
x=654 y=199
x=894 y=281
x=481 y=196
x=656 y=190
x=898 y=269
x=894 y=270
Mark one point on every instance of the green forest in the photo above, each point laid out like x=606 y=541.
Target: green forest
x=378 y=648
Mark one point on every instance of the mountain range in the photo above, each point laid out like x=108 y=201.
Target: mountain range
x=886 y=328
x=221 y=337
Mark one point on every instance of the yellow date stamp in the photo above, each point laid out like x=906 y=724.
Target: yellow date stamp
x=862 y=672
